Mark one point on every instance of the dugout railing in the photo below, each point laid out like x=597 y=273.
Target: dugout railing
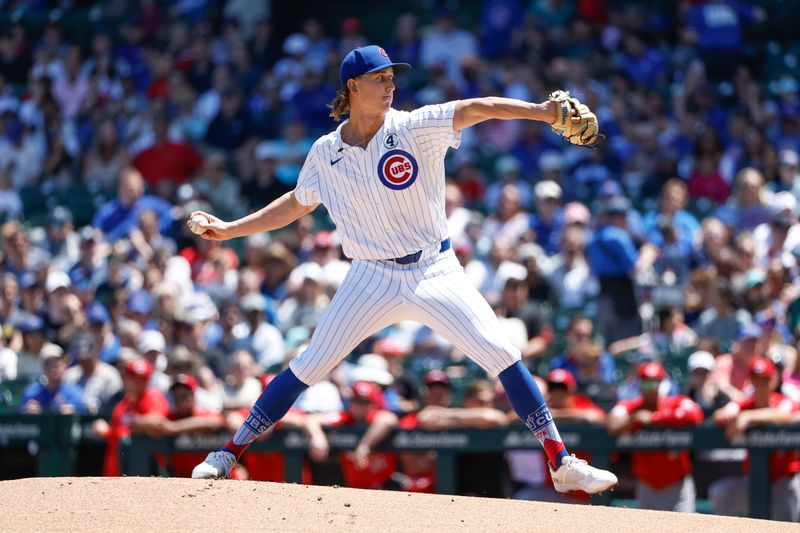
x=448 y=444
x=55 y=440
x=52 y=439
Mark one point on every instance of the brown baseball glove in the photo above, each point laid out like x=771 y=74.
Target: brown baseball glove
x=586 y=132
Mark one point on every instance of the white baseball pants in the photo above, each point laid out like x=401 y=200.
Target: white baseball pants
x=376 y=294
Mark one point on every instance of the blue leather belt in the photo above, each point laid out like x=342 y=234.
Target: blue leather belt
x=413 y=258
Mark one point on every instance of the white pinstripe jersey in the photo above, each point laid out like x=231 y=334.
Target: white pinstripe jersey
x=386 y=200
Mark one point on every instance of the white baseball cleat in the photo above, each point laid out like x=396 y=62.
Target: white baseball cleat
x=217 y=465
x=577 y=474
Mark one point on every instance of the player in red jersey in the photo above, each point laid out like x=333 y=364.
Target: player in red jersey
x=663 y=478
x=128 y=415
x=765 y=405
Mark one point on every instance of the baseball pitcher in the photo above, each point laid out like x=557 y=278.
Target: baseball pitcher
x=381 y=176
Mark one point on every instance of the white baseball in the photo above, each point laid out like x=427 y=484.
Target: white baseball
x=194 y=224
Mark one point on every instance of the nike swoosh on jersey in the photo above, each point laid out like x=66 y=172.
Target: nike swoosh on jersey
x=334 y=161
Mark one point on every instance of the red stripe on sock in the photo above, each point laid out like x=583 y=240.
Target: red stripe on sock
x=236 y=449
x=554 y=450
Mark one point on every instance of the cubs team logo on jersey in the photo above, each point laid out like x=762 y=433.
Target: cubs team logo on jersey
x=397 y=169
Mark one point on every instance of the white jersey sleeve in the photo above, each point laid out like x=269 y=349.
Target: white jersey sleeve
x=307 y=189
x=432 y=128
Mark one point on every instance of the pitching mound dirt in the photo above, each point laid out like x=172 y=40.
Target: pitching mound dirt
x=184 y=505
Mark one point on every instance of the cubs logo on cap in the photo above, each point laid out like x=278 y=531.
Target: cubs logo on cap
x=367 y=59
x=397 y=169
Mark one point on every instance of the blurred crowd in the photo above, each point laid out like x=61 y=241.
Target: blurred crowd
x=663 y=264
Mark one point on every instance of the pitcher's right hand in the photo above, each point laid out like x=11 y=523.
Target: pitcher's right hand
x=216 y=228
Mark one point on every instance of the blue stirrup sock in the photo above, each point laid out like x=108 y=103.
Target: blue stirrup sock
x=270 y=407
x=529 y=404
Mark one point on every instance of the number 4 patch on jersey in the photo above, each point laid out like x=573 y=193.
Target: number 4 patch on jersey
x=391 y=141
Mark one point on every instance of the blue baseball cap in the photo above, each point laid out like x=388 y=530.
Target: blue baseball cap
x=30 y=324
x=367 y=59
x=140 y=302
x=97 y=314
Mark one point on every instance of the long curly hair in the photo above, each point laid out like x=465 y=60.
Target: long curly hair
x=340 y=104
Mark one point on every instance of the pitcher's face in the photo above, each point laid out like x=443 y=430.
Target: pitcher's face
x=373 y=91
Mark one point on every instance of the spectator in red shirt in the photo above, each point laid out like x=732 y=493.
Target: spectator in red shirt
x=363 y=468
x=730 y=495
x=166 y=164
x=706 y=181
x=129 y=415
x=663 y=478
